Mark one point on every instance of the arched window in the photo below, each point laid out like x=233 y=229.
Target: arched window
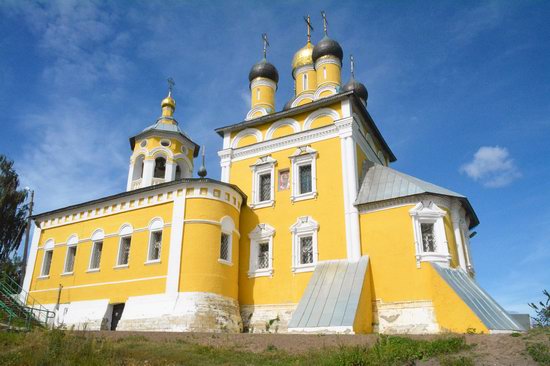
x=138 y=167
x=160 y=167
x=178 y=172
x=304 y=82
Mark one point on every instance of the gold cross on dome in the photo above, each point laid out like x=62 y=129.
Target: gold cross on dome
x=266 y=43
x=309 y=28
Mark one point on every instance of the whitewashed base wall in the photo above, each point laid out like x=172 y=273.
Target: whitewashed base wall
x=407 y=317
x=255 y=317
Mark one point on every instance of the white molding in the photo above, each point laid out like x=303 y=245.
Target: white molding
x=456 y=219
x=261 y=108
x=327 y=60
x=282 y=122
x=97 y=235
x=304 y=226
x=320 y=113
x=227 y=227
x=100 y=284
x=31 y=261
x=263 y=82
x=325 y=86
x=262 y=233
x=176 y=243
x=403 y=201
x=301 y=97
x=301 y=69
x=244 y=133
x=427 y=212
x=265 y=164
x=304 y=155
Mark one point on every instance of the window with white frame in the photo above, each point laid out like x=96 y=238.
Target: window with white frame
x=124 y=244
x=304 y=174
x=70 y=254
x=155 y=240
x=95 y=259
x=261 y=251
x=263 y=182
x=304 y=244
x=124 y=251
x=47 y=263
x=226 y=240
x=304 y=81
x=429 y=233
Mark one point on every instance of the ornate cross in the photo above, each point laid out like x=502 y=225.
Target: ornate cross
x=325 y=22
x=266 y=44
x=171 y=84
x=309 y=28
x=352 y=66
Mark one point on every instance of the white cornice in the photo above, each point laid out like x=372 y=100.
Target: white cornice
x=404 y=201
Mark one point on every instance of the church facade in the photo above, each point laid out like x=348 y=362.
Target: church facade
x=309 y=229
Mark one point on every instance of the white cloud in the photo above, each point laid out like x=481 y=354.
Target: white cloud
x=492 y=166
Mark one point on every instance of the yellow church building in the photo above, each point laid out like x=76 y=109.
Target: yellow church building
x=309 y=229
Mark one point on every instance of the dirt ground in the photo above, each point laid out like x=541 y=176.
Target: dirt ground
x=496 y=349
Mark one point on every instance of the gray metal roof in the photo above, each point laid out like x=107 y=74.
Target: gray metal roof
x=332 y=295
x=482 y=304
x=383 y=183
x=167 y=128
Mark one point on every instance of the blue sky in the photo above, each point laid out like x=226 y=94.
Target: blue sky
x=460 y=90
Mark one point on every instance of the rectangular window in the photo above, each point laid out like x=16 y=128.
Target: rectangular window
x=69 y=261
x=265 y=187
x=47 y=263
x=263 y=255
x=96 y=255
x=124 y=251
x=224 y=247
x=428 y=237
x=304 y=172
x=155 y=246
x=306 y=250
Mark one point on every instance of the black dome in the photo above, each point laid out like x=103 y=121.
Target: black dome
x=359 y=89
x=326 y=47
x=265 y=70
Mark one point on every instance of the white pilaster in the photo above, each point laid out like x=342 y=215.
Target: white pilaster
x=455 y=218
x=349 y=176
x=130 y=176
x=170 y=173
x=176 y=237
x=469 y=264
x=148 y=168
x=31 y=260
x=225 y=163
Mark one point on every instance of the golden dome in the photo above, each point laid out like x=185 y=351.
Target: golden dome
x=303 y=56
x=168 y=101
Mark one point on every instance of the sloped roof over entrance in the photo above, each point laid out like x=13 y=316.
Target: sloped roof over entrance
x=383 y=183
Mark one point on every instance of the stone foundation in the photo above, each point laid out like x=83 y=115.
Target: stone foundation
x=405 y=317
x=255 y=317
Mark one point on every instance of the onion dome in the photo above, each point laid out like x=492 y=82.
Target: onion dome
x=327 y=47
x=303 y=56
x=264 y=69
x=168 y=102
x=358 y=88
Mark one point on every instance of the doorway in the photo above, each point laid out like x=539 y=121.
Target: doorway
x=117 y=314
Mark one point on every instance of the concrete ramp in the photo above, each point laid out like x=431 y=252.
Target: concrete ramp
x=331 y=299
x=484 y=306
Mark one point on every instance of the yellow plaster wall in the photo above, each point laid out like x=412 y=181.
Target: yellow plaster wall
x=327 y=210
x=200 y=269
x=111 y=224
x=363 y=318
x=283 y=131
x=305 y=101
x=333 y=75
x=267 y=97
x=311 y=84
x=247 y=140
x=453 y=315
x=321 y=121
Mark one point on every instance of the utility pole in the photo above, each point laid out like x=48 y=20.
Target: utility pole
x=26 y=247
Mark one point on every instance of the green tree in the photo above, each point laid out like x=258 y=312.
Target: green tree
x=13 y=212
x=542 y=309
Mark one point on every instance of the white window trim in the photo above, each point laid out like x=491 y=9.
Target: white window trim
x=262 y=166
x=71 y=243
x=227 y=226
x=42 y=274
x=304 y=226
x=262 y=233
x=303 y=156
x=149 y=260
x=90 y=268
x=118 y=264
x=427 y=212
